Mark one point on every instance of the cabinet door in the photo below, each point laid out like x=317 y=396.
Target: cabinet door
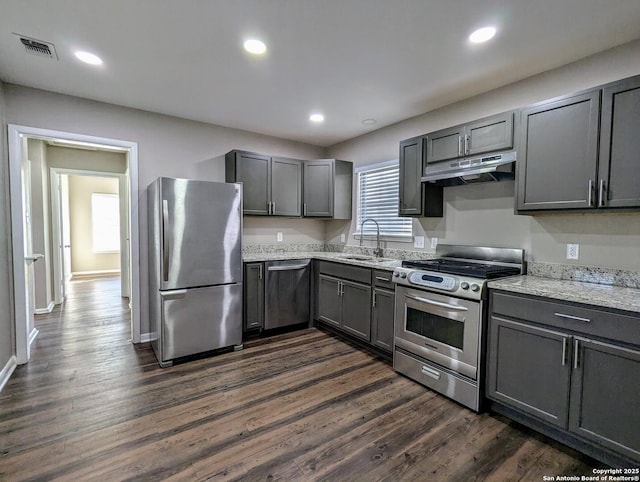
x=619 y=172
x=286 y=187
x=318 y=188
x=329 y=300
x=356 y=309
x=605 y=395
x=410 y=172
x=445 y=144
x=491 y=134
x=559 y=154
x=528 y=369
x=382 y=319
x=254 y=171
x=253 y=296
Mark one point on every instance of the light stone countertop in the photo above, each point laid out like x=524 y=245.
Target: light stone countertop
x=385 y=264
x=598 y=295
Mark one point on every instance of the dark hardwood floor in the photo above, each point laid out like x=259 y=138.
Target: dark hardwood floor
x=299 y=406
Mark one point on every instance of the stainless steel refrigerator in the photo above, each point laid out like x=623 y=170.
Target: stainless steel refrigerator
x=195 y=267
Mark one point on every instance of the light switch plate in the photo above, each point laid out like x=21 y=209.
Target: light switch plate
x=573 y=251
x=418 y=241
x=434 y=243
x=279 y=236
x=343 y=238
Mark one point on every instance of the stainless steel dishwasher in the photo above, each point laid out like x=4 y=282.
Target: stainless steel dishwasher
x=287 y=293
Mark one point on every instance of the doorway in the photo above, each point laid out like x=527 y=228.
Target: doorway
x=129 y=181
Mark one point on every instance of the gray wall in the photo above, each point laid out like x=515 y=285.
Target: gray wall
x=6 y=281
x=167 y=146
x=483 y=214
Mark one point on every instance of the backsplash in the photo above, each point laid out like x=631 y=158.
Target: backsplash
x=589 y=274
x=282 y=248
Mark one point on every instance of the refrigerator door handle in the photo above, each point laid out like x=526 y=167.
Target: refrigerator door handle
x=165 y=240
x=173 y=294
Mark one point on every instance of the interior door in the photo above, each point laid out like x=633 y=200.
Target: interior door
x=200 y=233
x=66 y=233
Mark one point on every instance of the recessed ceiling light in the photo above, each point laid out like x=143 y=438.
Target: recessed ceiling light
x=255 y=46
x=482 y=35
x=88 y=58
x=369 y=122
x=316 y=118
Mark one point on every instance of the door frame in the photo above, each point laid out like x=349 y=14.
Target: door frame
x=56 y=225
x=16 y=133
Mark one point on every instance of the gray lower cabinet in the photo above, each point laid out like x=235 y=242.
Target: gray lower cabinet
x=327 y=188
x=346 y=305
x=382 y=319
x=253 y=296
x=563 y=366
x=271 y=186
x=415 y=197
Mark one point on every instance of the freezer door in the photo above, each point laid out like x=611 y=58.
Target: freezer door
x=200 y=233
x=200 y=319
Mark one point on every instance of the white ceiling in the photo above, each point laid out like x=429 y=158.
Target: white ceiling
x=349 y=59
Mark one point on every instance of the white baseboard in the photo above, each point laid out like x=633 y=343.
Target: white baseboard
x=145 y=337
x=32 y=335
x=44 y=311
x=95 y=273
x=6 y=372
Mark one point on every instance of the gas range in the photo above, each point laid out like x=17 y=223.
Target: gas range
x=463 y=278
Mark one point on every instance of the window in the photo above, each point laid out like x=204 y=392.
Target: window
x=105 y=222
x=378 y=197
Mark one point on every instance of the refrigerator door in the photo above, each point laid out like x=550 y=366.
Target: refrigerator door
x=200 y=319
x=200 y=233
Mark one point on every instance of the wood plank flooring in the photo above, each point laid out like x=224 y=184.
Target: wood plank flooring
x=299 y=406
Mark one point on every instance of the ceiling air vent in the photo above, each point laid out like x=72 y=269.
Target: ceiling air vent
x=38 y=47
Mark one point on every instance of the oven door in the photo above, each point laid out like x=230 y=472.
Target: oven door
x=439 y=328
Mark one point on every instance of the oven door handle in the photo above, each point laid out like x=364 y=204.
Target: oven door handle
x=437 y=303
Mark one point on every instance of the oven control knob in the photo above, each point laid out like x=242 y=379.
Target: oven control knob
x=475 y=287
x=403 y=275
x=464 y=285
x=396 y=274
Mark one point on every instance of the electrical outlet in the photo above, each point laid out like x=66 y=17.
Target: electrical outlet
x=418 y=241
x=343 y=238
x=279 y=236
x=434 y=243
x=573 y=251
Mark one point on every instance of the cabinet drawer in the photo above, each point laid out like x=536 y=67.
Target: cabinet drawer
x=354 y=273
x=566 y=316
x=382 y=279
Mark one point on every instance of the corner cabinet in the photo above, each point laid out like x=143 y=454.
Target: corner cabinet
x=272 y=186
x=327 y=188
x=581 y=152
x=569 y=371
x=415 y=197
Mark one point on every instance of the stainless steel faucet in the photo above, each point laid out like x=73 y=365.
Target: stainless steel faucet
x=377 y=251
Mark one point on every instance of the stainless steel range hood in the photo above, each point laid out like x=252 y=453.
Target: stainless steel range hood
x=495 y=167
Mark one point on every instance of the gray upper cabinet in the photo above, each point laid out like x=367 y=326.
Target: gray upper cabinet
x=271 y=185
x=327 y=188
x=415 y=197
x=490 y=134
x=558 y=155
x=286 y=187
x=619 y=170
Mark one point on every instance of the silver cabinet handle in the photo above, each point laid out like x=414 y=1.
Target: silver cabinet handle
x=564 y=351
x=437 y=303
x=260 y=271
x=380 y=278
x=287 y=267
x=575 y=354
x=601 y=194
x=430 y=372
x=339 y=283
x=304 y=209
x=459 y=145
x=273 y=207
x=165 y=240
x=590 y=193
x=571 y=317
x=374 y=299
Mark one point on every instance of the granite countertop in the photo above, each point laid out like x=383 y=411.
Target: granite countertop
x=386 y=264
x=599 y=295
